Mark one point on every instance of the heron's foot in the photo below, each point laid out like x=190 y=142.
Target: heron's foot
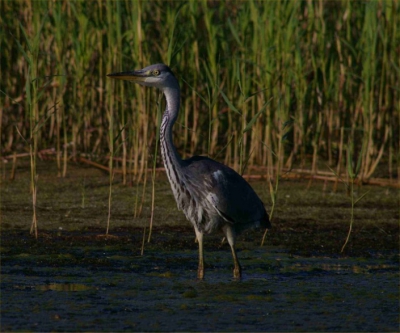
x=237 y=273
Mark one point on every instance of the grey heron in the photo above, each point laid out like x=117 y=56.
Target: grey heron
x=211 y=195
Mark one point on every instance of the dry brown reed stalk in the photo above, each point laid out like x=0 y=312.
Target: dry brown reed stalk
x=109 y=201
x=143 y=241
x=34 y=225
x=14 y=166
x=153 y=177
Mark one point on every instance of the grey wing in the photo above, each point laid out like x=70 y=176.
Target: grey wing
x=232 y=197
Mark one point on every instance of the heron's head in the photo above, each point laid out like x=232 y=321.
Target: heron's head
x=158 y=75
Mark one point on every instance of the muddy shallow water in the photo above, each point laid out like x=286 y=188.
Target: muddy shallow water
x=74 y=279
x=85 y=282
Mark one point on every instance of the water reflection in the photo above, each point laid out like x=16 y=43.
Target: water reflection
x=335 y=267
x=64 y=287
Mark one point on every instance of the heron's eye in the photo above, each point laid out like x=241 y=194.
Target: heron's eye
x=156 y=72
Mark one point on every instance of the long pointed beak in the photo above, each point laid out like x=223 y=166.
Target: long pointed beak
x=137 y=76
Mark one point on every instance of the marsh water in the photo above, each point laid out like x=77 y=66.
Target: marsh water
x=74 y=278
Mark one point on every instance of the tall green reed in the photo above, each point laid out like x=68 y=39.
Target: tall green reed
x=33 y=79
x=322 y=65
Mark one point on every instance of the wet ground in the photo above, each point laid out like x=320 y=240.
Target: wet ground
x=73 y=278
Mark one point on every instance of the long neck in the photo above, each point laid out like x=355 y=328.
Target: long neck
x=171 y=158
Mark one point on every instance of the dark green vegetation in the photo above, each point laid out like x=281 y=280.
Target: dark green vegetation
x=310 y=220
x=294 y=82
x=74 y=278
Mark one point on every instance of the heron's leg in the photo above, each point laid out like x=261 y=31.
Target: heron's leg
x=237 y=270
x=231 y=236
x=200 y=270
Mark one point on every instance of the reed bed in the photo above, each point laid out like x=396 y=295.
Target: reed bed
x=278 y=84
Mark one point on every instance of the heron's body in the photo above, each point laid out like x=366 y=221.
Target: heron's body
x=211 y=195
